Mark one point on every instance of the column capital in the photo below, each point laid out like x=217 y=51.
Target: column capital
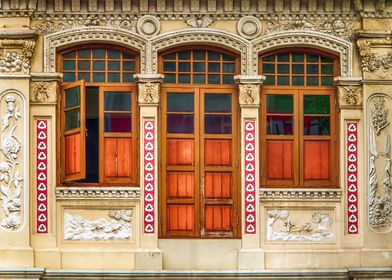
x=148 y=86
x=349 y=92
x=249 y=89
x=43 y=87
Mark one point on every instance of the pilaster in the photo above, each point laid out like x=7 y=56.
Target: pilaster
x=250 y=256
x=16 y=49
x=149 y=257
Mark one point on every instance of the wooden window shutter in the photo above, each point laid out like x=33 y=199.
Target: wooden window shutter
x=73 y=127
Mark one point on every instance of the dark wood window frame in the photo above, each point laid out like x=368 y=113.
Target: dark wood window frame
x=132 y=178
x=297 y=177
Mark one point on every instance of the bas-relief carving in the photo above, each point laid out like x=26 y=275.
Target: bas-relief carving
x=148 y=93
x=249 y=94
x=15 y=55
x=199 y=21
x=115 y=226
x=283 y=225
x=11 y=175
x=350 y=96
x=43 y=92
x=372 y=61
x=380 y=184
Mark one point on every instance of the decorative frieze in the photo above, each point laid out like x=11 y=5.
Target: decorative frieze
x=67 y=193
x=372 y=61
x=379 y=189
x=15 y=55
x=352 y=176
x=199 y=21
x=42 y=175
x=350 y=92
x=43 y=92
x=250 y=176
x=300 y=225
x=300 y=194
x=115 y=226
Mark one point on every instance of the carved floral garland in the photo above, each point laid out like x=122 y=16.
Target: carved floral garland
x=10 y=179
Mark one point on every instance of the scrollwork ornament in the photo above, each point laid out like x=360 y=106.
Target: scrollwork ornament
x=370 y=61
x=379 y=115
x=43 y=92
x=249 y=94
x=15 y=55
x=149 y=93
x=199 y=21
x=10 y=178
x=350 y=96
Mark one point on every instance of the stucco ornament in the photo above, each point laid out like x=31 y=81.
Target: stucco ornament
x=249 y=27
x=117 y=226
x=249 y=94
x=148 y=93
x=43 y=92
x=49 y=26
x=371 y=61
x=15 y=55
x=379 y=198
x=350 y=96
x=199 y=21
x=148 y=25
x=10 y=179
x=280 y=227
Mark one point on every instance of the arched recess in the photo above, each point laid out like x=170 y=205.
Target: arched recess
x=67 y=38
x=199 y=36
x=300 y=38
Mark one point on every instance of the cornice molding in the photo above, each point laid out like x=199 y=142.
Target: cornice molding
x=301 y=194
x=66 y=193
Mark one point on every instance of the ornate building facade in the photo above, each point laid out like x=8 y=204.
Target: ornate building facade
x=195 y=135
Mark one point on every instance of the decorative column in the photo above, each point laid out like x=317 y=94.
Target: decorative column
x=16 y=49
x=149 y=257
x=43 y=100
x=250 y=256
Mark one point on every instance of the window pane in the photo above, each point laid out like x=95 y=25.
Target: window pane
x=72 y=97
x=180 y=102
x=297 y=81
x=118 y=122
x=269 y=80
x=283 y=68
x=180 y=124
x=113 y=77
x=69 y=65
x=316 y=104
x=170 y=78
x=69 y=77
x=84 y=76
x=312 y=81
x=184 y=66
x=199 y=79
x=128 y=55
x=114 y=65
x=184 y=79
x=316 y=125
x=213 y=55
x=277 y=103
x=298 y=57
x=199 y=55
x=72 y=119
x=99 y=53
x=199 y=67
x=114 y=54
x=327 y=69
x=228 y=80
x=280 y=125
x=99 y=65
x=84 y=65
x=213 y=67
x=268 y=68
x=312 y=69
x=99 y=77
x=220 y=124
x=283 y=57
x=70 y=55
x=283 y=80
x=327 y=81
x=326 y=59
x=298 y=68
x=169 y=66
x=214 y=79
x=218 y=103
x=311 y=58
x=128 y=78
x=270 y=58
x=184 y=55
x=128 y=65
x=84 y=53
x=118 y=101
x=170 y=56
x=226 y=57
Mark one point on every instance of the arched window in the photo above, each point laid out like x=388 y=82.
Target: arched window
x=98 y=115
x=298 y=119
x=199 y=148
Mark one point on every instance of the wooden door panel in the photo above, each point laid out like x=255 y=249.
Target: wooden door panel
x=316 y=160
x=124 y=156
x=180 y=184
x=180 y=217
x=110 y=150
x=218 y=218
x=217 y=152
x=279 y=159
x=73 y=152
x=218 y=185
x=180 y=152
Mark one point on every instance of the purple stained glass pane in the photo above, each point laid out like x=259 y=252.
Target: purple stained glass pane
x=280 y=125
x=180 y=124
x=118 y=122
x=217 y=124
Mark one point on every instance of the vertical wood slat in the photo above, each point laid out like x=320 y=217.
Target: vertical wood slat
x=181 y=184
x=178 y=5
x=228 y=6
x=180 y=152
x=124 y=157
x=312 y=5
x=218 y=218
x=181 y=217
x=262 y=6
x=279 y=6
x=211 y=5
x=217 y=152
x=316 y=160
x=195 y=5
x=75 y=5
x=72 y=154
x=295 y=6
x=92 y=5
x=245 y=5
x=126 y=5
x=110 y=148
x=280 y=159
x=218 y=185
x=329 y=5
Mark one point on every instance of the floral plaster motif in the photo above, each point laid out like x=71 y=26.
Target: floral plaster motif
x=199 y=21
x=10 y=177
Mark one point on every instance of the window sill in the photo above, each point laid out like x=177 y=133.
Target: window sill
x=325 y=194
x=98 y=192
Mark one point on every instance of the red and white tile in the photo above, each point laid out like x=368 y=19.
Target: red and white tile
x=250 y=176
x=149 y=176
x=42 y=176
x=352 y=177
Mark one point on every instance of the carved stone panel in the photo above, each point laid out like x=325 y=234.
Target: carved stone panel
x=43 y=92
x=350 y=97
x=15 y=55
x=379 y=164
x=148 y=93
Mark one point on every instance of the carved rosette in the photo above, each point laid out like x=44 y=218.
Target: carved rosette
x=15 y=55
x=148 y=93
x=43 y=92
x=379 y=157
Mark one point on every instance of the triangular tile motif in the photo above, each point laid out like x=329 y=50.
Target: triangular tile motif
x=352 y=176
x=42 y=176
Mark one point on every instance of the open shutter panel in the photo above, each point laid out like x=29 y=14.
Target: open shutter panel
x=73 y=126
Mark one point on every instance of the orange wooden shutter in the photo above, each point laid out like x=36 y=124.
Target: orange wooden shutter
x=73 y=142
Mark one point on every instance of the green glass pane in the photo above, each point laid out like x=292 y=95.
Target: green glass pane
x=99 y=77
x=72 y=97
x=169 y=78
x=84 y=53
x=117 y=101
x=280 y=103
x=69 y=77
x=128 y=78
x=99 y=53
x=312 y=69
x=83 y=65
x=213 y=67
x=99 y=65
x=327 y=81
x=269 y=80
x=316 y=125
x=213 y=55
x=268 y=68
x=113 y=77
x=84 y=76
x=217 y=103
x=199 y=79
x=312 y=81
x=70 y=55
x=185 y=55
x=114 y=65
x=298 y=57
x=226 y=57
x=270 y=58
x=199 y=55
x=326 y=59
x=128 y=65
x=316 y=104
x=72 y=119
x=69 y=65
x=297 y=81
x=128 y=55
x=228 y=68
x=180 y=102
x=114 y=54
x=327 y=69
x=199 y=67
x=170 y=56
x=228 y=80
x=283 y=68
x=184 y=79
x=214 y=79
x=169 y=66
x=283 y=57
x=184 y=66
x=283 y=80
x=311 y=58
x=298 y=68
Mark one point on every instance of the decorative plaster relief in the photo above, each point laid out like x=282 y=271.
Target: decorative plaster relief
x=370 y=60
x=148 y=93
x=350 y=97
x=148 y=25
x=379 y=193
x=42 y=176
x=352 y=176
x=116 y=226
x=249 y=94
x=199 y=21
x=300 y=194
x=249 y=27
x=97 y=193
x=250 y=176
x=43 y=92
x=283 y=227
x=11 y=172
x=15 y=55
